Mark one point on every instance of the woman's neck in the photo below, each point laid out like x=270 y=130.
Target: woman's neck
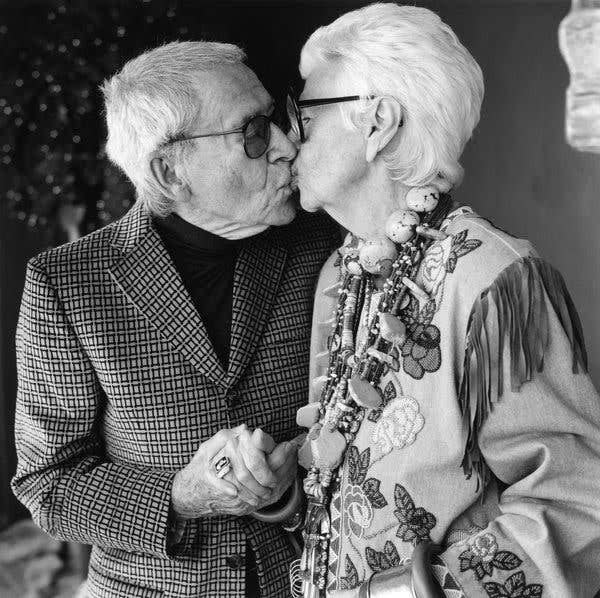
x=365 y=211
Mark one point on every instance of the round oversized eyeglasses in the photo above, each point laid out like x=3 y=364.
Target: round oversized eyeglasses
x=256 y=133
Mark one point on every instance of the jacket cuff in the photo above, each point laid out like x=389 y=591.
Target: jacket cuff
x=488 y=564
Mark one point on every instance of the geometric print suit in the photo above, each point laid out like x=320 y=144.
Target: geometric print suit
x=119 y=384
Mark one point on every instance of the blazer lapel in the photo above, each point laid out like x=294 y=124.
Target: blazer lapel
x=256 y=281
x=148 y=277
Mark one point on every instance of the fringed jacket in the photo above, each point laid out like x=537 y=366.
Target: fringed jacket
x=487 y=442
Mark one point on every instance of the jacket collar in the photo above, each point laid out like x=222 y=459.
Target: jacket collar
x=146 y=274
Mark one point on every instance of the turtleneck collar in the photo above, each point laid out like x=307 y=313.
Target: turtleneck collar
x=177 y=230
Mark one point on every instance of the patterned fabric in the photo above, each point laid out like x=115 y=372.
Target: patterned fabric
x=119 y=385
x=524 y=411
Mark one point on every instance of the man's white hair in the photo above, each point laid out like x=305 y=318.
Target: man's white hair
x=155 y=99
x=407 y=53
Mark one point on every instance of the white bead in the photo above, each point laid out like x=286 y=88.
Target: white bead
x=400 y=225
x=422 y=199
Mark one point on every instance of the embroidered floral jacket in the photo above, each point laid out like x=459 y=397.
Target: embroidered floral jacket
x=488 y=439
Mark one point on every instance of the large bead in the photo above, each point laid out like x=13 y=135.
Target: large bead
x=328 y=449
x=392 y=329
x=308 y=415
x=377 y=256
x=422 y=199
x=305 y=456
x=400 y=225
x=363 y=393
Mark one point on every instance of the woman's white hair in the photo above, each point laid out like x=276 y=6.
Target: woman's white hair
x=155 y=99
x=407 y=53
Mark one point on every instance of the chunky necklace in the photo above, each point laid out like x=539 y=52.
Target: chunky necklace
x=353 y=374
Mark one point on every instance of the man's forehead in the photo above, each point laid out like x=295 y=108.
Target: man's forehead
x=234 y=92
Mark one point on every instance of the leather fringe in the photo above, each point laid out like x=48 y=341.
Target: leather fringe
x=514 y=305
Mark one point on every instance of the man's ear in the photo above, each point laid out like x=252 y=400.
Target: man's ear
x=382 y=124
x=166 y=177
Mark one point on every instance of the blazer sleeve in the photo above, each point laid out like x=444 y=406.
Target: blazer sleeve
x=73 y=491
x=533 y=418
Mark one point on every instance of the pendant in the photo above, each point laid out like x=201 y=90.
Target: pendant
x=400 y=225
x=376 y=257
x=363 y=393
x=308 y=415
x=328 y=449
x=305 y=456
x=392 y=329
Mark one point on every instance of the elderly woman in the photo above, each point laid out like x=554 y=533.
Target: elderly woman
x=454 y=446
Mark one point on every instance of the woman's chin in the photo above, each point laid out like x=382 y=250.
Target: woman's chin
x=308 y=201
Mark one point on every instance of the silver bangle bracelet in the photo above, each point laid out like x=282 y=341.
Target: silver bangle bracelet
x=364 y=591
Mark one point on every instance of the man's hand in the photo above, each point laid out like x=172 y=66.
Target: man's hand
x=261 y=472
x=198 y=492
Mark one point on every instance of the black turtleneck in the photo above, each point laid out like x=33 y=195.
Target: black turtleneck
x=206 y=264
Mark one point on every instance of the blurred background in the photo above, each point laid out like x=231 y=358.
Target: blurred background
x=55 y=183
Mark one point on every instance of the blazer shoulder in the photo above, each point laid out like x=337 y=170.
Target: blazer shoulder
x=91 y=251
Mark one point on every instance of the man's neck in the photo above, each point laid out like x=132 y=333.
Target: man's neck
x=217 y=225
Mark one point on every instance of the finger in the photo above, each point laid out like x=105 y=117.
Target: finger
x=217 y=442
x=241 y=472
x=280 y=454
x=224 y=487
x=263 y=441
x=255 y=461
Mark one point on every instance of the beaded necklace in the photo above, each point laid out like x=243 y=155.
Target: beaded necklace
x=350 y=386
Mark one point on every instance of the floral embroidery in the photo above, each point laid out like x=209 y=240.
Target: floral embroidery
x=358 y=465
x=380 y=561
x=415 y=522
x=399 y=425
x=359 y=512
x=421 y=349
x=434 y=267
x=483 y=556
x=362 y=495
x=514 y=587
x=460 y=246
x=350 y=580
x=389 y=394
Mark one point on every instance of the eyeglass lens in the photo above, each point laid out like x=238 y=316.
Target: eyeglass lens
x=257 y=136
x=295 y=119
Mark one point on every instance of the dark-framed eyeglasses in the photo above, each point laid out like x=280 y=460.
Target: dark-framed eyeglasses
x=256 y=132
x=294 y=107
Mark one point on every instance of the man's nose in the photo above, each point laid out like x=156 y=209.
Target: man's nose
x=281 y=147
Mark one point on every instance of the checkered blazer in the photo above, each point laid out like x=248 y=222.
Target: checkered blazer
x=119 y=384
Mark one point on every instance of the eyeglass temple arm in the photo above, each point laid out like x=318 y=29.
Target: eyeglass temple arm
x=323 y=102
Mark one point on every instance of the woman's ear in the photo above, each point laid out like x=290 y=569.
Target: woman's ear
x=382 y=124
x=166 y=178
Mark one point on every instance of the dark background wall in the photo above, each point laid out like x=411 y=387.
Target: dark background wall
x=519 y=171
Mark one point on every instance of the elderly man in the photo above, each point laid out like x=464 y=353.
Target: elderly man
x=159 y=347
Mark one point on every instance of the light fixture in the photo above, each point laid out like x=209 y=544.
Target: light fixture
x=579 y=42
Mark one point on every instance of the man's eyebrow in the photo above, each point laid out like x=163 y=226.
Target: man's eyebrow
x=255 y=112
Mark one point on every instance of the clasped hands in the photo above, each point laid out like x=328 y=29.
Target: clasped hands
x=261 y=471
